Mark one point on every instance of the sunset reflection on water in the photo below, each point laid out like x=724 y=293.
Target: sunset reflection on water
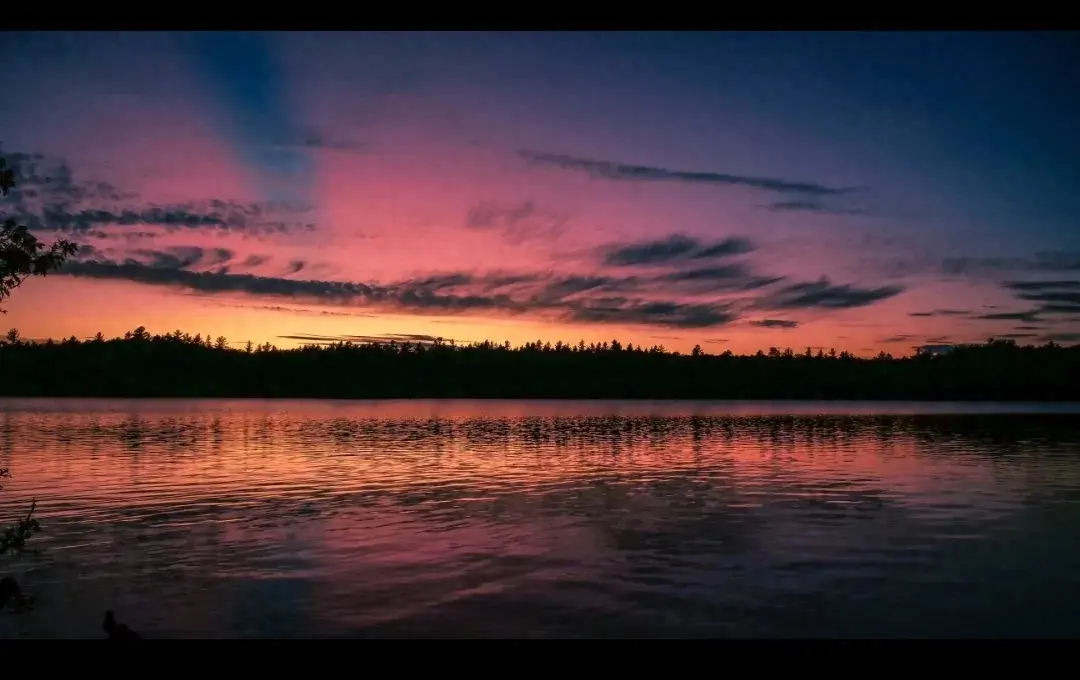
x=540 y=519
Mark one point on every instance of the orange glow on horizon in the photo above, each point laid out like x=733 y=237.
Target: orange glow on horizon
x=84 y=307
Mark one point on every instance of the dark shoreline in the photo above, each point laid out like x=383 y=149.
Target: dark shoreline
x=597 y=399
x=181 y=366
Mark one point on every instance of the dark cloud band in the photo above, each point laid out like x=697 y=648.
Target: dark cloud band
x=644 y=173
x=674 y=248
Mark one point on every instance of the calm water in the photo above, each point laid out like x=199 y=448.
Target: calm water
x=545 y=519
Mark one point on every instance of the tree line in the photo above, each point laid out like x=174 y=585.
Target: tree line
x=182 y=365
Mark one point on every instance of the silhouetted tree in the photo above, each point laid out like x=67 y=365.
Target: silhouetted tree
x=22 y=255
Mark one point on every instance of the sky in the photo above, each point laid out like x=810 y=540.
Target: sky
x=857 y=191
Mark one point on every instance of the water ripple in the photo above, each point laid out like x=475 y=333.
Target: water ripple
x=540 y=519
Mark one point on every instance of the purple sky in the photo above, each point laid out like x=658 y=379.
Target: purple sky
x=739 y=190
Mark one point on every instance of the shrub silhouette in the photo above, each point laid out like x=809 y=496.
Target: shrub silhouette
x=22 y=255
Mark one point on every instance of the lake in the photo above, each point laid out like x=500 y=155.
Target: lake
x=246 y=518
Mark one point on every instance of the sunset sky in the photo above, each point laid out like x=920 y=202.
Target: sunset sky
x=735 y=190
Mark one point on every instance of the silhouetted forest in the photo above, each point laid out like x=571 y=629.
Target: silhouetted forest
x=181 y=365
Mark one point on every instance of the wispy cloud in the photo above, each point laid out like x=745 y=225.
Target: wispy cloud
x=655 y=313
x=179 y=257
x=430 y=295
x=1063 y=309
x=673 y=248
x=1042 y=261
x=644 y=173
x=682 y=294
x=49 y=197
x=1060 y=297
x=42 y=177
x=813 y=206
x=724 y=277
x=217 y=281
x=517 y=221
x=1029 y=316
x=289 y=310
x=775 y=323
x=943 y=312
x=315 y=140
x=822 y=294
x=1070 y=297
x=1041 y=285
x=213 y=215
x=255 y=260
